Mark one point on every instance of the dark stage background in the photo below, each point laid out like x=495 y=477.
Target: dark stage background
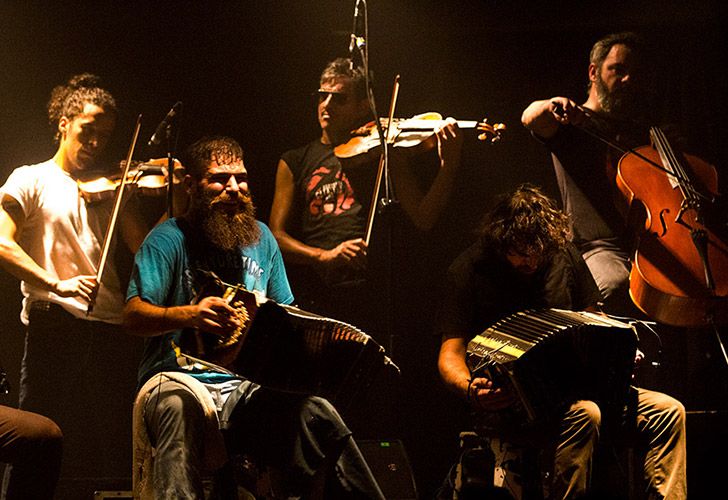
x=248 y=68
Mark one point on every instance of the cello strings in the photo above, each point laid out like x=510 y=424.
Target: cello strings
x=687 y=187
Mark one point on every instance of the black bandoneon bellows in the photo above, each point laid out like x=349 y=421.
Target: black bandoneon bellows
x=293 y=350
x=285 y=348
x=553 y=357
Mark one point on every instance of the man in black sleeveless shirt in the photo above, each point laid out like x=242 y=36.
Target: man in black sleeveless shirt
x=320 y=208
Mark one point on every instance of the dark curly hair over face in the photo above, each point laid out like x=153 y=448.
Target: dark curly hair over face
x=220 y=149
x=526 y=222
x=69 y=99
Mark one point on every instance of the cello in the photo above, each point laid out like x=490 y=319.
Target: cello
x=679 y=270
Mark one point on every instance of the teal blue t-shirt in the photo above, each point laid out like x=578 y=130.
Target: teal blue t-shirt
x=162 y=276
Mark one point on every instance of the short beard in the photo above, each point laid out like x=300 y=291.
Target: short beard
x=224 y=230
x=618 y=103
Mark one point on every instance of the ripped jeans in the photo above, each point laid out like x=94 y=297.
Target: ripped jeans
x=300 y=436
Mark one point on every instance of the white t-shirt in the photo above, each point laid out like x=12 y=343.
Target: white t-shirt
x=63 y=235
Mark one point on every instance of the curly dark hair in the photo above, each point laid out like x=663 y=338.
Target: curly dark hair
x=342 y=68
x=525 y=221
x=198 y=155
x=69 y=99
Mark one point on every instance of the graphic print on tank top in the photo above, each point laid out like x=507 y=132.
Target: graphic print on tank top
x=329 y=192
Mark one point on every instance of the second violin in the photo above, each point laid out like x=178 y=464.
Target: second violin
x=148 y=178
x=416 y=133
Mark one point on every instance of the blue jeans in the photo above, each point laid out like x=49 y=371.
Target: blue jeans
x=299 y=436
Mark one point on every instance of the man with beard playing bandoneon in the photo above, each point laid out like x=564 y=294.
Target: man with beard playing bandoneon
x=300 y=437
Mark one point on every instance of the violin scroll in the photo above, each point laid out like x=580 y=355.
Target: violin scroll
x=491 y=133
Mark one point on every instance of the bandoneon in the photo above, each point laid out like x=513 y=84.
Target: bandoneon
x=285 y=348
x=551 y=358
x=293 y=350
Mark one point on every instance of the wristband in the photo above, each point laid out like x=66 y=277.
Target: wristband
x=467 y=393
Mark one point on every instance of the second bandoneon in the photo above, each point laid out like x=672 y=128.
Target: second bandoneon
x=553 y=357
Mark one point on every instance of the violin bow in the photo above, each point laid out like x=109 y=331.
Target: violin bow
x=382 y=162
x=115 y=213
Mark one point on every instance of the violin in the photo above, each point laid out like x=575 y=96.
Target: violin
x=417 y=134
x=679 y=271
x=148 y=178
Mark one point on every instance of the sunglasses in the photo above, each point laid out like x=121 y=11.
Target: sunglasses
x=336 y=97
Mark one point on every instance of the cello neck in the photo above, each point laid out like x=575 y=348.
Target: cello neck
x=671 y=161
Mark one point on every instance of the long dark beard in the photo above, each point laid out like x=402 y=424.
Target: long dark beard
x=225 y=230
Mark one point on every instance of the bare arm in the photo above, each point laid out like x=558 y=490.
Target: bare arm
x=211 y=314
x=424 y=209
x=544 y=117
x=480 y=392
x=18 y=263
x=451 y=364
x=350 y=252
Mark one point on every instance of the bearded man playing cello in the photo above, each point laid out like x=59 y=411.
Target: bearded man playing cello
x=583 y=165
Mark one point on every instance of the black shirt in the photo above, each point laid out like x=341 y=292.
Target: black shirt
x=328 y=204
x=482 y=287
x=586 y=170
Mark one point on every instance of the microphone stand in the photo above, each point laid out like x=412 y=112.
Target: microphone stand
x=171 y=147
x=166 y=124
x=170 y=172
x=383 y=205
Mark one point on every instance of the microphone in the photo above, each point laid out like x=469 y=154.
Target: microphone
x=162 y=127
x=355 y=42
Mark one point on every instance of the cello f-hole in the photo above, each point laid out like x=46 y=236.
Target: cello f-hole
x=663 y=212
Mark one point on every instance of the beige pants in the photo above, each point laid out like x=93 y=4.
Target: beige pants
x=660 y=435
